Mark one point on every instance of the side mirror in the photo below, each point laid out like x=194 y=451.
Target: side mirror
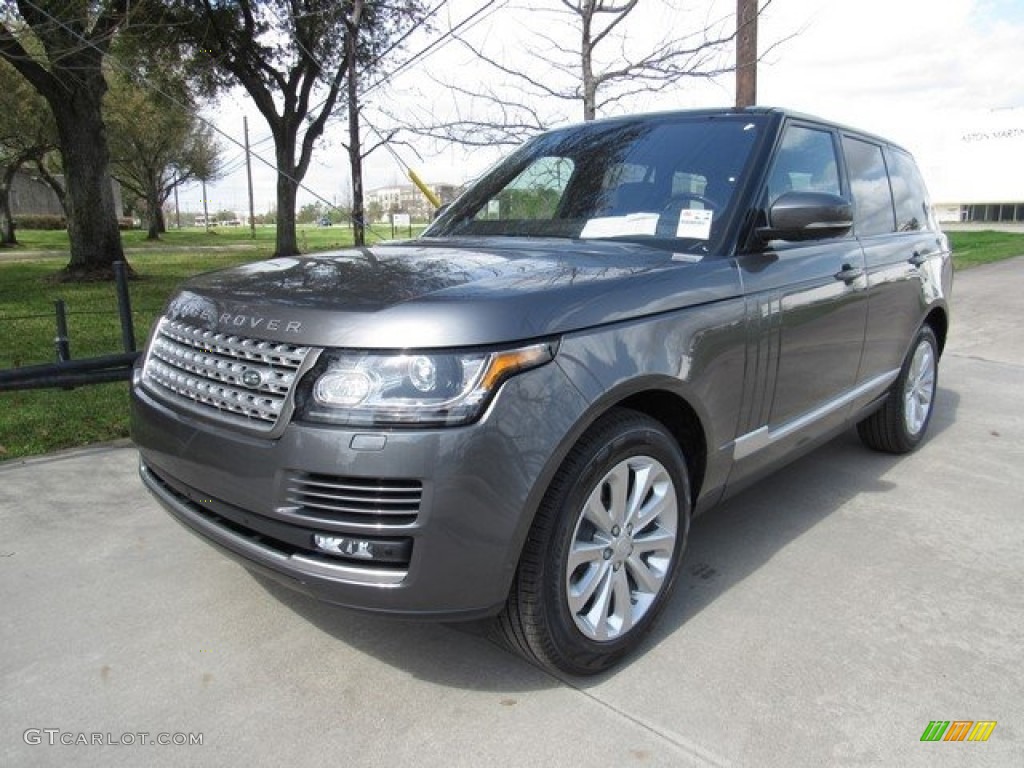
x=807 y=216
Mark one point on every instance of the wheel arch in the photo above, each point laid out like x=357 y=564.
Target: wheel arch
x=938 y=321
x=681 y=420
x=656 y=398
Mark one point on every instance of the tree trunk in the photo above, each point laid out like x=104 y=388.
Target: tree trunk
x=587 y=63
x=92 y=216
x=153 y=214
x=7 y=236
x=54 y=184
x=287 y=189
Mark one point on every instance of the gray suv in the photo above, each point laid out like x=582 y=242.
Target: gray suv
x=517 y=414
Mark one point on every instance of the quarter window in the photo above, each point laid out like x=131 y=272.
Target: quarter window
x=869 y=184
x=913 y=209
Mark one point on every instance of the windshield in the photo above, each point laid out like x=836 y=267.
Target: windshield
x=664 y=178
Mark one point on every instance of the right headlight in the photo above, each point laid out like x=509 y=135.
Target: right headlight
x=421 y=388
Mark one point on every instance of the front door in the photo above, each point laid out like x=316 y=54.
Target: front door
x=807 y=310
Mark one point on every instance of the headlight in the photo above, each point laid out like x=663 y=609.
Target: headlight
x=410 y=388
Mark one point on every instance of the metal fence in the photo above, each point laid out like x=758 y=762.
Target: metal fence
x=67 y=372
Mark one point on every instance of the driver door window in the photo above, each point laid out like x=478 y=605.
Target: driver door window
x=806 y=162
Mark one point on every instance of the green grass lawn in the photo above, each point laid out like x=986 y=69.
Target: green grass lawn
x=983 y=247
x=40 y=421
x=311 y=238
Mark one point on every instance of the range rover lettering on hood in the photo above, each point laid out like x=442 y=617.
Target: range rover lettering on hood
x=253 y=322
x=203 y=312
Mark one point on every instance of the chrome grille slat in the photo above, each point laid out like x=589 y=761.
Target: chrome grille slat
x=311 y=498
x=204 y=370
x=343 y=484
x=364 y=500
x=322 y=507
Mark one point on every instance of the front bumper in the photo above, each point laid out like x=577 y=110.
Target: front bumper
x=446 y=510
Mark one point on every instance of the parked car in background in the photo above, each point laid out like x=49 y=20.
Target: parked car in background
x=517 y=414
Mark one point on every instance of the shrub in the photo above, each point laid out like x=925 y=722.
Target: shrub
x=40 y=221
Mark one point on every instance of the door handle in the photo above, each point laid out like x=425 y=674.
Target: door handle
x=848 y=274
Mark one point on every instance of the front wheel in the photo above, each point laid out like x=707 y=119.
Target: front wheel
x=900 y=424
x=604 y=550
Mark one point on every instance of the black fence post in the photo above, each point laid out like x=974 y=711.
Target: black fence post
x=61 y=341
x=124 y=306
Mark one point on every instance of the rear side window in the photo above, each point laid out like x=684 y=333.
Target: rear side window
x=869 y=184
x=806 y=162
x=913 y=209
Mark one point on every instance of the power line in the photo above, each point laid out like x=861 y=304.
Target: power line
x=435 y=45
x=469 y=22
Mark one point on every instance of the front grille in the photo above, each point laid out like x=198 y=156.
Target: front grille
x=223 y=373
x=354 y=500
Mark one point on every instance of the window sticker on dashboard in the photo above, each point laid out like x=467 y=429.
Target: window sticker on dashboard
x=695 y=224
x=619 y=226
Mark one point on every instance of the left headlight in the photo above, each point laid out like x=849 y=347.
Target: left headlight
x=421 y=388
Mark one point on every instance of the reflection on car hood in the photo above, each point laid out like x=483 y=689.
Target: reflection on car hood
x=445 y=292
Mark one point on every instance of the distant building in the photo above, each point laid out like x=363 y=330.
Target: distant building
x=31 y=196
x=977 y=172
x=407 y=198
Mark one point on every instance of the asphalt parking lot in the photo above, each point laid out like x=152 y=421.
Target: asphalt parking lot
x=824 y=618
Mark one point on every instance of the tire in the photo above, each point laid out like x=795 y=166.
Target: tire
x=900 y=424
x=603 y=553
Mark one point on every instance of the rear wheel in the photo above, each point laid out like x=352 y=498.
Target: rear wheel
x=604 y=550
x=900 y=424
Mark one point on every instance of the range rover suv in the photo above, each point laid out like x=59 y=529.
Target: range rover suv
x=517 y=414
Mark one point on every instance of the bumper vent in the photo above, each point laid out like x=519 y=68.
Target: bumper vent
x=223 y=374
x=355 y=500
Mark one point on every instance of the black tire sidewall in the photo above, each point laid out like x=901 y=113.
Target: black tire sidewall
x=605 y=449
x=924 y=336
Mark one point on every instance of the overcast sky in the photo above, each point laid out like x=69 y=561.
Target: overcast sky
x=916 y=71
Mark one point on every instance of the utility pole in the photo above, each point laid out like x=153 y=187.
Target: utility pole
x=206 y=210
x=177 y=208
x=746 y=53
x=354 y=150
x=248 y=173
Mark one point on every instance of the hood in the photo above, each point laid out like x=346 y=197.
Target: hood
x=448 y=293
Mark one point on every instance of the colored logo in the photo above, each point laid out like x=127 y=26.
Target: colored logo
x=958 y=730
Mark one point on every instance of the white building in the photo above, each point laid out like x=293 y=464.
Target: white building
x=975 y=168
x=407 y=198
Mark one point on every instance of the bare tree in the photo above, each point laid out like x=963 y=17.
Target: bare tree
x=371 y=41
x=583 y=55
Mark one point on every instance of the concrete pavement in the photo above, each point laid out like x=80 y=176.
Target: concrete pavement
x=824 y=617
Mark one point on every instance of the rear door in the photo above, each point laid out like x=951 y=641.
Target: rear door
x=896 y=228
